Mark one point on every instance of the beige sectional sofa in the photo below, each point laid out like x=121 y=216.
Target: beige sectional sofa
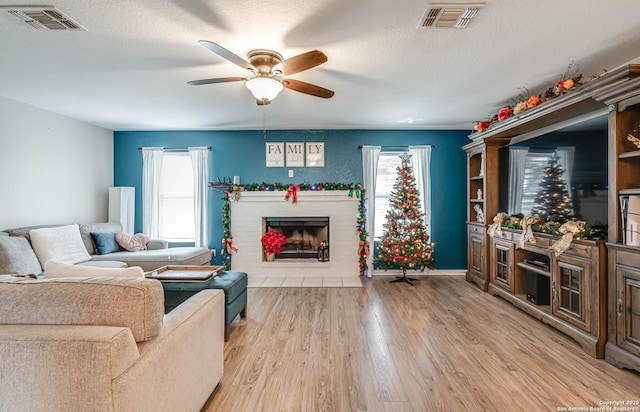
x=156 y=255
x=104 y=344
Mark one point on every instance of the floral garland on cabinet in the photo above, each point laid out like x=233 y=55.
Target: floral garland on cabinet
x=569 y=81
x=234 y=192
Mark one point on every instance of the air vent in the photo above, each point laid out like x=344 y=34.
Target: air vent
x=43 y=17
x=449 y=15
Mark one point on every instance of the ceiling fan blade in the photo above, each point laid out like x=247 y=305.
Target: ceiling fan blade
x=217 y=80
x=222 y=52
x=307 y=88
x=302 y=62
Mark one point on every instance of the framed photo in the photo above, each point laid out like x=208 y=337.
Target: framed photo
x=315 y=154
x=295 y=154
x=274 y=154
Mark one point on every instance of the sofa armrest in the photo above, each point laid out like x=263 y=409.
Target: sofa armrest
x=189 y=348
x=62 y=367
x=155 y=244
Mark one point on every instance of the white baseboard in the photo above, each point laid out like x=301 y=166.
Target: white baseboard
x=427 y=272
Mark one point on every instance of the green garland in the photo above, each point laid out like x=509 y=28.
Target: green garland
x=552 y=228
x=355 y=189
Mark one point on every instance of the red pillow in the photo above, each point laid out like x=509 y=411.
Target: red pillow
x=132 y=243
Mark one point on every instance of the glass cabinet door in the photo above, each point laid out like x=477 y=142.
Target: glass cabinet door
x=502 y=264
x=571 y=290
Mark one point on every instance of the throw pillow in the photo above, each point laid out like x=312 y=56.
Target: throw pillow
x=57 y=269
x=61 y=243
x=17 y=257
x=132 y=243
x=105 y=242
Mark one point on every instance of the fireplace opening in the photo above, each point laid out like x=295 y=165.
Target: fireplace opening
x=304 y=235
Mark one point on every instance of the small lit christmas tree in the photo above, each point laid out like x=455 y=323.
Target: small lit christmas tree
x=552 y=201
x=405 y=242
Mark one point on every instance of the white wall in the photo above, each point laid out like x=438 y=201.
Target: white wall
x=53 y=169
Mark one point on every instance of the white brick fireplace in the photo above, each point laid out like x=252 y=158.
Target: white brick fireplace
x=248 y=224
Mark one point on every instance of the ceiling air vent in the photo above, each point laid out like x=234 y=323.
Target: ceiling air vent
x=43 y=17
x=450 y=15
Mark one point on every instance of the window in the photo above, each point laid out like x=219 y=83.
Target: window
x=388 y=162
x=534 y=171
x=177 y=221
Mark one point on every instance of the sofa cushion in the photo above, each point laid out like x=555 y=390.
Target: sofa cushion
x=56 y=269
x=86 y=229
x=132 y=243
x=16 y=256
x=134 y=303
x=105 y=242
x=104 y=264
x=60 y=243
x=24 y=231
x=153 y=259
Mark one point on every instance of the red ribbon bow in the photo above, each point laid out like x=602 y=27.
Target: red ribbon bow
x=292 y=193
x=363 y=248
x=228 y=243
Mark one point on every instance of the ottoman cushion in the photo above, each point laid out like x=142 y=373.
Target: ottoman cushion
x=234 y=284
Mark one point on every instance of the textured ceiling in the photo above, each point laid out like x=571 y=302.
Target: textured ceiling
x=129 y=70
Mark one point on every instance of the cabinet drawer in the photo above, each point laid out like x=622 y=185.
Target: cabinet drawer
x=579 y=250
x=476 y=229
x=628 y=258
x=507 y=235
x=541 y=242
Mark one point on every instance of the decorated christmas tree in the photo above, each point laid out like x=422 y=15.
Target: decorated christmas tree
x=405 y=242
x=552 y=201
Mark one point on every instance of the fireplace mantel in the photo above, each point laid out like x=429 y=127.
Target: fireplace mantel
x=247 y=226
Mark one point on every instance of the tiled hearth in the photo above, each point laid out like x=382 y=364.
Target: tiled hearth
x=248 y=224
x=305 y=282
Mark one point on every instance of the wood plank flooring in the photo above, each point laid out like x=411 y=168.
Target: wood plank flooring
x=442 y=345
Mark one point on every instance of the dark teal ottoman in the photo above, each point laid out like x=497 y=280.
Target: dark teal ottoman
x=234 y=285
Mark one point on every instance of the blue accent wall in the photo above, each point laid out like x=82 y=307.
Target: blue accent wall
x=242 y=153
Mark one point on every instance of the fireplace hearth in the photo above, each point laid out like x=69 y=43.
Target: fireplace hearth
x=304 y=235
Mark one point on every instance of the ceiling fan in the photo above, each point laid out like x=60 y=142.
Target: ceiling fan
x=268 y=72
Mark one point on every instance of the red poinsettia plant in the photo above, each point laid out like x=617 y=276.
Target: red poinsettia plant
x=273 y=242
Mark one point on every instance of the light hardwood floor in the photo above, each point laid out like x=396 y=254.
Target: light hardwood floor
x=442 y=345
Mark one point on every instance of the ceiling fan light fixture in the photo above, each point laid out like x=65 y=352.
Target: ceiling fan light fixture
x=264 y=88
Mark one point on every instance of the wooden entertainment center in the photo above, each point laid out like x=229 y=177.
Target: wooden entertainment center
x=591 y=292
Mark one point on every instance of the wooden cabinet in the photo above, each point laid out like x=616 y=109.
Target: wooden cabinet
x=566 y=291
x=475 y=254
x=623 y=344
x=502 y=254
x=593 y=293
x=482 y=204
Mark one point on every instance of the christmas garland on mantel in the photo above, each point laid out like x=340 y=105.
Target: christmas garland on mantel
x=234 y=192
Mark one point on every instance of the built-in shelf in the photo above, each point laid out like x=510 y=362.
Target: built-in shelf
x=534 y=269
x=476 y=178
x=633 y=191
x=476 y=200
x=522 y=297
x=635 y=153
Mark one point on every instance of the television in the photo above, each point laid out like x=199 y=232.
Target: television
x=575 y=155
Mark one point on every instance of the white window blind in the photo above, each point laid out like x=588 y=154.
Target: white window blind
x=177 y=221
x=388 y=162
